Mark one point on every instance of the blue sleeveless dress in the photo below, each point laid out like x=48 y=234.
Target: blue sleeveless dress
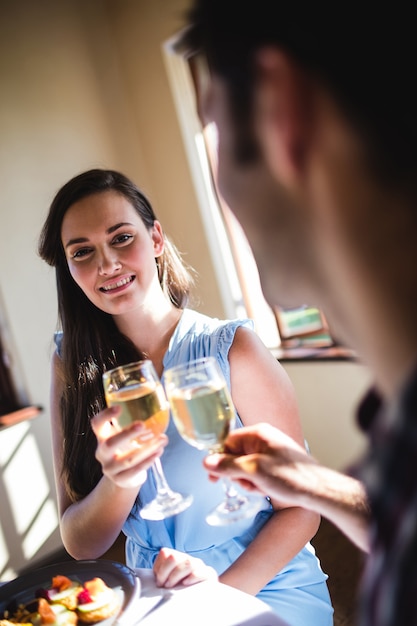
x=298 y=593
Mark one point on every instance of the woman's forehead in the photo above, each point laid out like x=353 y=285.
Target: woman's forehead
x=99 y=211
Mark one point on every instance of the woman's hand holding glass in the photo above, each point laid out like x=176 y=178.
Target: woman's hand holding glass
x=123 y=461
x=138 y=392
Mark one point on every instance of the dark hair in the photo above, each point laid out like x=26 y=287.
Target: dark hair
x=364 y=56
x=91 y=342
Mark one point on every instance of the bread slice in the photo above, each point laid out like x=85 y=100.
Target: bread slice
x=67 y=596
x=103 y=602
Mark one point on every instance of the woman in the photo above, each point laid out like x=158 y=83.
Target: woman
x=122 y=295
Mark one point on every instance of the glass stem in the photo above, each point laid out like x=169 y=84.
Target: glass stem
x=162 y=486
x=233 y=497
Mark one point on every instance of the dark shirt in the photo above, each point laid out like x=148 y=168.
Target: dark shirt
x=388 y=592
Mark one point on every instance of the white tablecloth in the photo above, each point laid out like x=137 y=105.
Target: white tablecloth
x=204 y=604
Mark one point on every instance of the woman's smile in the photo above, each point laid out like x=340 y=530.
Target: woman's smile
x=117 y=286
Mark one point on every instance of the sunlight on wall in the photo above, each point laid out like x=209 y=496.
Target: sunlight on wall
x=25 y=483
x=10 y=439
x=45 y=523
x=28 y=512
x=4 y=553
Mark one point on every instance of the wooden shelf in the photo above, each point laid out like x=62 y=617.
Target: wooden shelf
x=310 y=353
x=20 y=415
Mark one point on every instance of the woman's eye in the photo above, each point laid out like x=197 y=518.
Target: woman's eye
x=123 y=238
x=82 y=252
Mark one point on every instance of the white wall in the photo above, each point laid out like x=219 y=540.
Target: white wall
x=328 y=394
x=83 y=84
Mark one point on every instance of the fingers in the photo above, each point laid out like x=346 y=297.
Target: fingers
x=126 y=455
x=102 y=424
x=168 y=566
x=209 y=573
x=129 y=469
x=260 y=438
x=249 y=439
x=124 y=460
x=281 y=472
x=244 y=469
x=220 y=464
x=173 y=567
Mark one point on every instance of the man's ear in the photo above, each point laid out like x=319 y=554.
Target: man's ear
x=282 y=113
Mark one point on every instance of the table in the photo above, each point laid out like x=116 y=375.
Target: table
x=204 y=604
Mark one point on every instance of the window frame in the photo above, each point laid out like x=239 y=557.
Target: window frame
x=226 y=239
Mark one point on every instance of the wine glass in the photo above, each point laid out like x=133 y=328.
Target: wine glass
x=203 y=412
x=137 y=388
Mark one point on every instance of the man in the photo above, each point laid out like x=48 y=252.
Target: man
x=315 y=107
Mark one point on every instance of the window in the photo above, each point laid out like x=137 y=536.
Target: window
x=9 y=400
x=233 y=260
x=8 y=395
x=14 y=405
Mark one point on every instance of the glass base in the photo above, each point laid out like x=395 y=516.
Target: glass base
x=170 y=504
x=234 y=509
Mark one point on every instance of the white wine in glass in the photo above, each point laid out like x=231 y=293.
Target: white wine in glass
x=203 y=412
x=137 y=388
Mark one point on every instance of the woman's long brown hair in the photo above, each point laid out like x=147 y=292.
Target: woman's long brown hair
x=90 y=342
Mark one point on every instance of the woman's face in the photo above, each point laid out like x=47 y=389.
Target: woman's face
x=110 y=252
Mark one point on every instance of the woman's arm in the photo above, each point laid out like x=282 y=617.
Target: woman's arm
x=90 y=526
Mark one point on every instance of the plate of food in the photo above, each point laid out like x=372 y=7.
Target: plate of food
x=64 y=594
